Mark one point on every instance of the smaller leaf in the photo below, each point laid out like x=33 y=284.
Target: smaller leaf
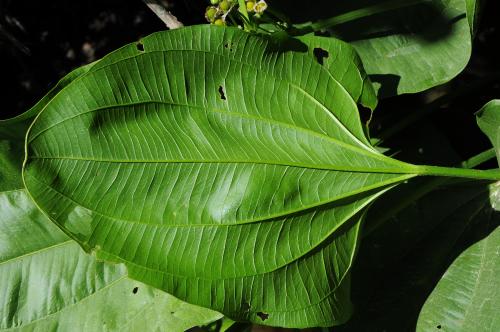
x=474 y=8
x=401 y=42
x=468 y=296
x=488 y=119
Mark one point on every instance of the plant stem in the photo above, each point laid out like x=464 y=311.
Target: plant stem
x=479 y=158
x=360 y=13
x=493 y=174
x=424 y=189
x=163 y=14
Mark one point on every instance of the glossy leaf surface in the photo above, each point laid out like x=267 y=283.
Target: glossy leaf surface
x=204 y=161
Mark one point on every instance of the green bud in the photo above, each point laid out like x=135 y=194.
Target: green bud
x=224 y=5
x=214 y=2
x=211 y=13
x=250 y=6
x=219 y=22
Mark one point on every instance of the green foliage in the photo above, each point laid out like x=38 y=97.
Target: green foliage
x=400 y=262
x=468 y=298
x=259 y=166
x=219 y=165
x=406 y=46
x=231 y=169
x=50 y=284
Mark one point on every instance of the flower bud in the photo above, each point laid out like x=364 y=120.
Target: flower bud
x=219 y=22
x=224 y=5
x=250 y=6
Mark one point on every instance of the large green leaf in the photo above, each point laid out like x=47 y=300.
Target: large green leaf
x=49 y=283
x=467 y=298
x=406 y=46
x=215 y=170
x=228 y=169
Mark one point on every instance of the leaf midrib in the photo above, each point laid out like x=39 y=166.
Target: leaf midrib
x=38 y=251
x=65 y=308
x=365 y=152
x=256 y=220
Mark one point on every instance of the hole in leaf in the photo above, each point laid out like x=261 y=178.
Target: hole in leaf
x=245 y=306
x=263 y=315
x=438 y=327
x=221 y=93
x=320 y=54
x=135 y=290
x=140 y=46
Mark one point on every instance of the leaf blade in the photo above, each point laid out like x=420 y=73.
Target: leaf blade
x=204 y=191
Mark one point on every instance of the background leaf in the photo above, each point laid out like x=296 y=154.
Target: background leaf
x=488 y=119
x=50 y=284
x=211 y=136
x=467 y=298
x=400 y=263
x=343 y=62
x=474 y=8
x=405 y=46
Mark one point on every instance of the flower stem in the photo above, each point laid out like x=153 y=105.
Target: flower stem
x=242 y=8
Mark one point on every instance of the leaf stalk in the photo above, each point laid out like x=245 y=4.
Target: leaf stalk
x=492 y=174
